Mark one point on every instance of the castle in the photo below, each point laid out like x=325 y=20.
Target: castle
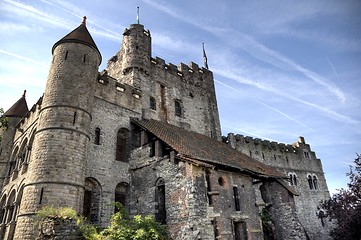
x=147 y=134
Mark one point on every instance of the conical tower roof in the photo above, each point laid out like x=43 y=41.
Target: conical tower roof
x=79 y=35
x=19 y=109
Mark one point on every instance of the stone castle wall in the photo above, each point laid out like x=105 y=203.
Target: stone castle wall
x=298 y=160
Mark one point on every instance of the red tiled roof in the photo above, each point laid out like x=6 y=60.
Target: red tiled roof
x=202 y=148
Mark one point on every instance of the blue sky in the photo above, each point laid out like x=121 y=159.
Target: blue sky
x=283 y=69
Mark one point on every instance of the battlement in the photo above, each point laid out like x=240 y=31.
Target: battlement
x=30 y=116
x=181 y=69
x=120 y=93
x=240 y=140
x=191 y=74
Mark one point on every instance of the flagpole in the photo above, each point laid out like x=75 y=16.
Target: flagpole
x=137 y=15
x=204 y=57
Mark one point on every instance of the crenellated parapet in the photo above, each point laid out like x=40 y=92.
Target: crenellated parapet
x=113 y=91
x=264 y=150
x=190 y=74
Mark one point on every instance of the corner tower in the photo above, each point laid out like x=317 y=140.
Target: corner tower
x=135 y=53
x=56 y=173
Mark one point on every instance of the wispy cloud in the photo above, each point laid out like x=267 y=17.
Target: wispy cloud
x=327 y=112
x=267 y=106
x=11 y=28
x=52 y=20
x=75 y=11
x=263 y=53
x=32 y=12
x=23 y=58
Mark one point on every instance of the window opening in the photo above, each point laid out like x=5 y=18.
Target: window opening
x=122 y=141
x=160 y=213
x=74 y=118
x=66 y=55
x=41 y=195
x=178 y=108
x=208 y=180
x=310 y=182
x=152 y=103
x=97 y=136
x=240 y=231
x=315 y=183
x=121 y=192
x=91 y=201
x=236 y=198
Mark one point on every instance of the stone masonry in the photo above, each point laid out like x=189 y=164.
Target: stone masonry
x=147 y=134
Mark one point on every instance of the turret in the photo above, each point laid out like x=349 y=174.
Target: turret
x=14 y=114
x=135 y=53
x=56 y=173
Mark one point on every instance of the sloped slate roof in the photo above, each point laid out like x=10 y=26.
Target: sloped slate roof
x=19 y=109
x=205 y=149
x=79 y=35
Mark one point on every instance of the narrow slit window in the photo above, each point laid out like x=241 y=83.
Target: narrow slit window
x=236 y=198
x=66 y=55
x=84 y=58
x=97 y=136
x=161 y=214
x=74 y=118
x=41 y=195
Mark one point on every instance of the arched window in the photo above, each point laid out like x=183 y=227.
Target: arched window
x=2 y=209
x=30 y=146
x=178 y=108
x=10 y=207
x=310 y=182
x=315 y=183
x=121 y=193
x=12 y=163
x=160 y=209
x=122 y=140
x=97 y=136
x=23 y=153
x=293 y=179
x=91 y=204
x=152 y=103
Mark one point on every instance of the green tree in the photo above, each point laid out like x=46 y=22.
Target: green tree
x=4 y=122
x=344 y=207
x=122 y=227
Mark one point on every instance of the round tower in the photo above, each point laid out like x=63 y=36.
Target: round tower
x=136 y=48
x=56 y=174
x=134 y=56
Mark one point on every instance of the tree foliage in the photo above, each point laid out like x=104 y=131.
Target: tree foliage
x=4 y=122
x=122 y=227
x=344 y=207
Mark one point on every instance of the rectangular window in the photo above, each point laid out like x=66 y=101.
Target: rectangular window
x=240 y=231
x=236 y=198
